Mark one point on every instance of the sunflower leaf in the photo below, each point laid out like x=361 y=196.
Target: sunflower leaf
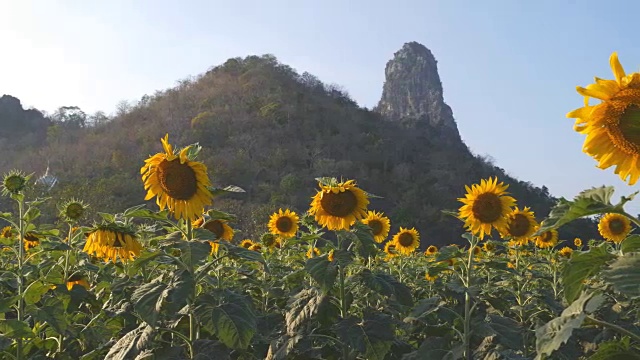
x=580 y=266
x=226 y=190
x=238 y=252
x=302 y=307
x=220 y=215
x=365 y=245
x=447 y=253
x=148 y=300
x=107 y=217
x=630 y=244
x=371 y=336
x=15 y=328
x=323 y=271
x=624 y=274
x=233 y=321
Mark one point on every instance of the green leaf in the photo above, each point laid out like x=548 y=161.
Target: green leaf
x=580 y=266
x=238 y=252
x=147 y=300
x=365 y=245
x=14 y=328
x=624 y=275
x=371 y=336
x=142 y=213
x=630 y=244
x=6 y=303
x=220 y=215
x=615 y=349
x=54 y=315
x=31 y=214
x=439 y=348
x=589 y=202
x=193 y=252
x=233 y=322
x=107 y=217
x=447 y=253
x=508 y=330
x=122 y=348
x=322 y=271
x=302 y=307
x=550 y=336
x=229 y=189
x=34 y=292
x=387 y=285
x=49 y=245
x=142 y=260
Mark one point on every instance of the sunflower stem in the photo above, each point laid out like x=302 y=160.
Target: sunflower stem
x=191 y=299
x=467 y=300
x=20 y=309
x=343 y=299
x=65 y=278
x=613 y=327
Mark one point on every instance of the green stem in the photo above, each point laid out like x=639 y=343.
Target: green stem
x=191 y=299
x=467 y=301
x=343 y=299
x=20 y=314
x=65 y=278
x=613 y=327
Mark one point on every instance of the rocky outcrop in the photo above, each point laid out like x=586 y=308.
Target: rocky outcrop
x=412 y=90
x=14 y=119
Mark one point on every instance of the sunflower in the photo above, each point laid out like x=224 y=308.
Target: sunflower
x=430 y=278
x=390 y=249
x=269 y=240
x=577 y=242
x=111 y=242
x=179 y=183
x=379 y=224
x=489 y=246
x=215 y=247
x=614 y=227
x=218 y=227
x=338 y=206
x=611 y=127
x=255 y=247
x=330 y=256
x=246 y=243
x=431 y=250
x=521 y=224
x=406 y=240
x=565 y=251
x=486 y=205
x=6 y=232
x=77 y=279
x=313 y=252
x=547 y=239
x=284 y=223
x=31 y=240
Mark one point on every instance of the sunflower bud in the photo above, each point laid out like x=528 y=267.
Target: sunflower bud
x=73 y=210
x=14 y=182
x=269 y=240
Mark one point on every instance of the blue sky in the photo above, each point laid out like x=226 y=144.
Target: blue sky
x=509 y=68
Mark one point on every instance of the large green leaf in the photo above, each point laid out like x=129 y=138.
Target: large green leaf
x=323 y=271
x=147 y=300
x=15 y=328
x=439 y=348
x=192 y=252
x=302 y=307
x=589 y=202
x=365 y=245
x=233 y=321
x=54 y=314
x=371 y=336
x=550 y=336
x=386 y=284
x=581 y=266
x=630 y=244
x=238 y=252
x=508 y=330
x=34 y=292
x=448 y=252
x=614 y=350
x=624 y=275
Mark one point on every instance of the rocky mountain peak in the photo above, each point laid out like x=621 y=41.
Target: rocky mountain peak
x=412 y=89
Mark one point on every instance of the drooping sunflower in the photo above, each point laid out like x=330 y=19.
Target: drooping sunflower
x=313 y=252
x=379 y=224
x=284 y=223
x=406 y=240
x=390 y=249
x=614 y=227
x=220 y=228
x=486 y=206
x=431 y=250
x=109 y=242
x=178 y=182
x=565 y=252
x=246 y=243
x=547 y=239
x=611 y=127
x=31 y=240
x=521 y=224
x=77 y=279
x=337 y=206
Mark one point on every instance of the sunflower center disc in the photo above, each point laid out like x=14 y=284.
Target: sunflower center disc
x=405 y=239
x=177 y=180
x=616 y=227
x=630 y=126
x=117 y=243
x=487 y=208
x=215 y=227
x=547 y=236
x=340 y=204
x=284 y=224
x=519 y=226
x=376 y=226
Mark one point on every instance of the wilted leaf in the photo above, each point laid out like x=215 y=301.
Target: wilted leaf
x=121 y=350
x=302 y=307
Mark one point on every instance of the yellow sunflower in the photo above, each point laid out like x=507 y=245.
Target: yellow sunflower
x=379 y=224
x=431 y=250
x=486 y=206
x=330 y=256
x=406 y=240
x=77 y=279
x=565 y=251
x=338 y=206
x=178 y=183
x=109 y=243
x=313 y=252
x=521 y=224
x=547 y=239
x=6 y=232
x=215 y=247
x=611 y=127
x=390 y=249
x=430 y=278
x=577 y=242
x=489 y=246
x=31 y=240
x=246 y=243
x=614 y=227
x=255 y=247
x=220 y=228
x=284 y=223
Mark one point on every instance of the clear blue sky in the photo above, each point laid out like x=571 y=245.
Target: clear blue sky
x=509 y=68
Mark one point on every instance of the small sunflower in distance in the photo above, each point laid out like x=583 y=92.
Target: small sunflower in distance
x=217 y=226
x=547 y=239
x=77 y=279
x=178 y=182
x=611 y=127
x=313 y=252
x=337 y=206
x=431 y=250
x=390 y=249
x=379 y=224
x=284 y=223
x=521 y=224
x=614 y=227
x=14 y=182
x=486 y=206
x=255 y=247
x=406 y=240
x=246 y=243
x=577 y=242
x=6 y=232
x=565 y=252
x=111 y=241
x=31 y=240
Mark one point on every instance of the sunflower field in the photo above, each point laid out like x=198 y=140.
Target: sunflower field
x=335 y=281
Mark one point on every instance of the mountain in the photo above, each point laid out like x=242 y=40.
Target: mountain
x=270 y=130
